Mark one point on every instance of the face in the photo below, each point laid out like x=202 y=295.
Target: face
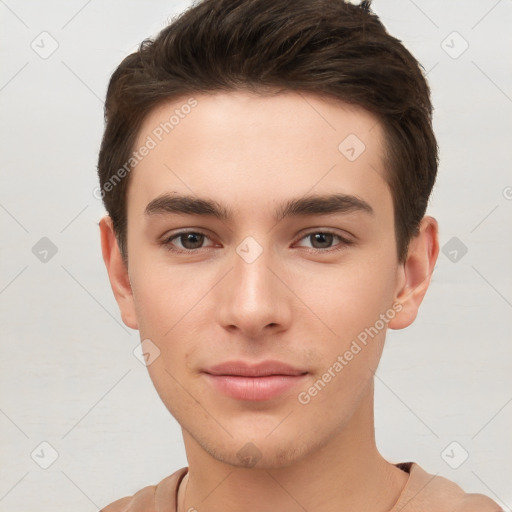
x=289 y=258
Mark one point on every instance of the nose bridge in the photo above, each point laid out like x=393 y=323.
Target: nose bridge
x=252 y=297
x=251 y=275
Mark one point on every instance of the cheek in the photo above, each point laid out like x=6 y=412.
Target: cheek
x=163 y=296
x=168 y=305
x=348 y=298
x=350 y=301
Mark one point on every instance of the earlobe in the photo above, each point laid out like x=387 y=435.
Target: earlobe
x=117 y=273
x=416 y=272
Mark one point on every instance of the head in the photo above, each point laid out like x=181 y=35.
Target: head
x=265 y=112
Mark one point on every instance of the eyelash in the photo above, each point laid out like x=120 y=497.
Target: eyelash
x=167 y=242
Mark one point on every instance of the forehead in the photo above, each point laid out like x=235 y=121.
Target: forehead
x=253 y=146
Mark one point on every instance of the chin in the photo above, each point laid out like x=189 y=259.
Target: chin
x=259 y=450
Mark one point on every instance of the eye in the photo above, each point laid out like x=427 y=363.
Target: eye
x=191 y=241
x=322 y=241
x=187 y=241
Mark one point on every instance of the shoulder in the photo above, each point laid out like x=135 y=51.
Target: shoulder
x=477 y=503
x=141 y=501
x=425 y=492
x=159 y=497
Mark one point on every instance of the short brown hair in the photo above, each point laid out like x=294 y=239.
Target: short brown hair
x=327 y=47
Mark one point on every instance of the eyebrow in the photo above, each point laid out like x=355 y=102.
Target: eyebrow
x=308 y=205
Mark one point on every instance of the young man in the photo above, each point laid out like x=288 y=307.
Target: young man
x=266 y=168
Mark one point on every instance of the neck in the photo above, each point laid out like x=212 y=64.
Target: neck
x=347 y=473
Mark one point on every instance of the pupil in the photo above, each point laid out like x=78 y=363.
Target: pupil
x=195 y=239
x=323 y=238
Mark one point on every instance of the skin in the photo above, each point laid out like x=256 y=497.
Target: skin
x=250 y=153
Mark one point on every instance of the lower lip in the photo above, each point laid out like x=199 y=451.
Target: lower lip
x=254 y=388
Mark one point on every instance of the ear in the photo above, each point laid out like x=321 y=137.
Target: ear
x=117 y=272
x=415 y=273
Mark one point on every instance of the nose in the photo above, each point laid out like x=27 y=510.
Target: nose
x=253 y=298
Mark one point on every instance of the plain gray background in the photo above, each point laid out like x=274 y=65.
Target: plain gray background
x=69 y=377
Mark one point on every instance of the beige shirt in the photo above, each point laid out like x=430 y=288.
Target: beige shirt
x=423 y=492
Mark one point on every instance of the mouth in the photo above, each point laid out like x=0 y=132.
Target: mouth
x=254 y=382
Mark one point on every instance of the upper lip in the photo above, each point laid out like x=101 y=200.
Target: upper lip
x=262 y=369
